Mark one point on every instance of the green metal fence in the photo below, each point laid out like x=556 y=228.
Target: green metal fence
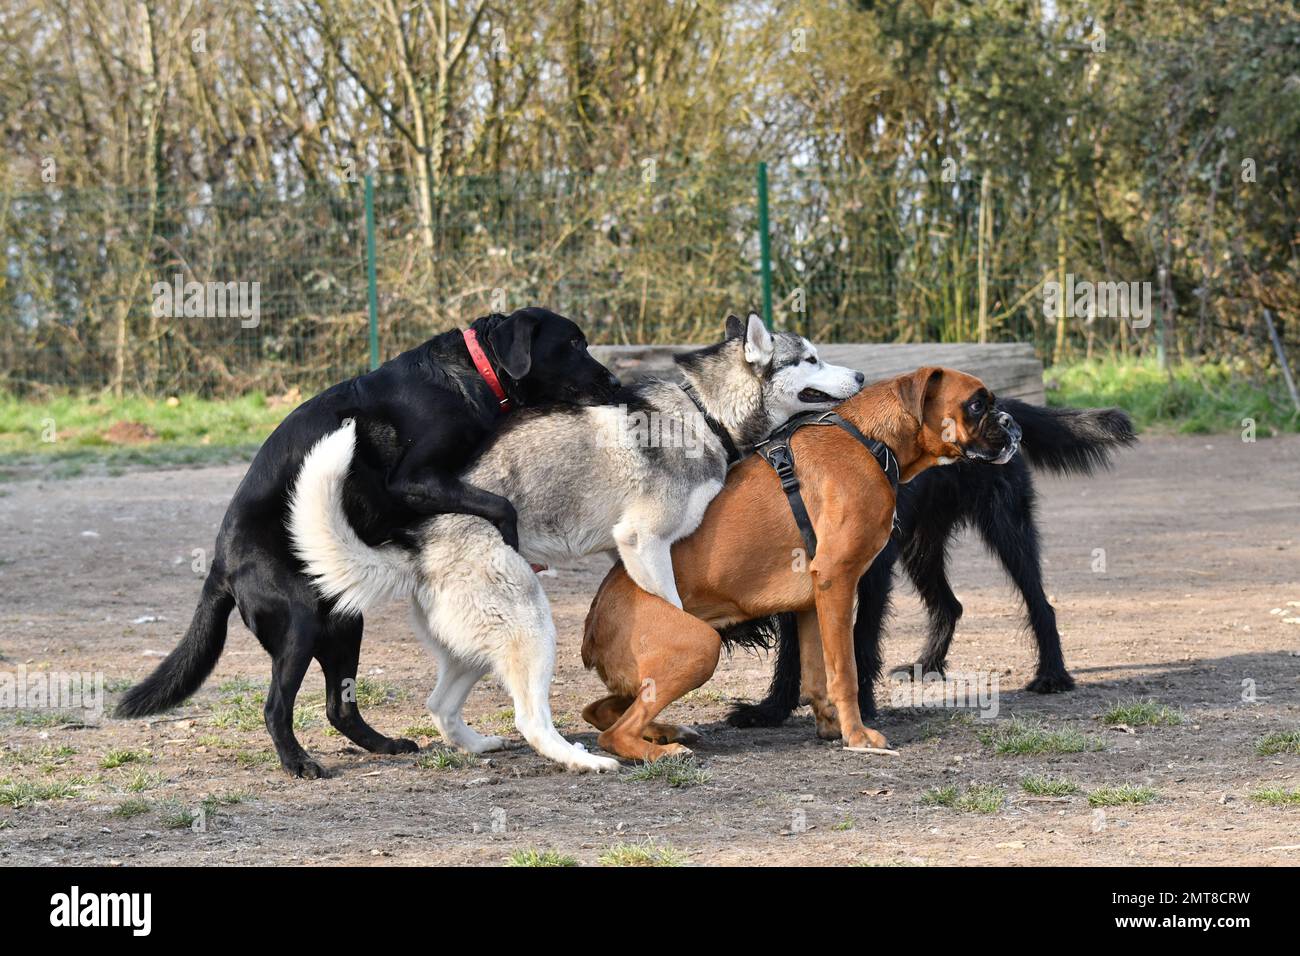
x=343 y=275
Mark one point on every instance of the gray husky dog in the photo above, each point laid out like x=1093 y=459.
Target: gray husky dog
x=627 y=479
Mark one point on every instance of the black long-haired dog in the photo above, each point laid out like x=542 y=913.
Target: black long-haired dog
x=998 y=502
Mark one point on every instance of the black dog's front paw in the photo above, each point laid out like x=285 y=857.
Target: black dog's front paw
x=757 y=715
x=1053 y=683
x=398 y=745
x=304 y=767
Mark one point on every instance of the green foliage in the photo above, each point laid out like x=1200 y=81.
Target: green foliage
x=1281 y=742
x=648 y=853
x=1020 y=737
x=679 y=770
x=1190 y=397
x=1142 y=712
x=1042 y=785
x=532 y=857
x=1125 y=793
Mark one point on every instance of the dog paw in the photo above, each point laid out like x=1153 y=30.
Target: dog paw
x=688 y=735
x=867 y=738
x=909 y=671
x=757 y=715
x=590 y=763
x=305 y=768
x=486 y=745
x=1051 y=683
x=398 y=745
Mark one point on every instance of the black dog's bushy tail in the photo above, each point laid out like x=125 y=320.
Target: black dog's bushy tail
x=189 y=664
x=1070 y=440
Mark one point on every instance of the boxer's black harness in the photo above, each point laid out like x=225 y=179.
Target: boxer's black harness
x=776 y=451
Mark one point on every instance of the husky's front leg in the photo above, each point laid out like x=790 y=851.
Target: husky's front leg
x=649 y=561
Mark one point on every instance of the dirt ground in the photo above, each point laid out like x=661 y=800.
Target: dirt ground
x=1200 y=593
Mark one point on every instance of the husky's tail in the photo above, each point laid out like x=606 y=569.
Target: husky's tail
x=340 y=564
x=1070 y=440
x=192 y=660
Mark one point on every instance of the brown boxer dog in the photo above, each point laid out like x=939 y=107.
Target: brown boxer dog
x=748 y=560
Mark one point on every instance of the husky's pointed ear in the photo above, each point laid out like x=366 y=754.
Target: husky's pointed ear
x=734 y=327
x=758 y=342
x=915 y=390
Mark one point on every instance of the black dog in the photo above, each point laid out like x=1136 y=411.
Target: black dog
x=998 y=501
x=421 y=417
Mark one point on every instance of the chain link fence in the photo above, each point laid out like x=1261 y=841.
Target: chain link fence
x=222 y=292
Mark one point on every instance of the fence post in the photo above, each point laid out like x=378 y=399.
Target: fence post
x=764 y=245
x=373 y=291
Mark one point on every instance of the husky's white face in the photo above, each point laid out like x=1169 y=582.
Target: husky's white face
x=795 y=379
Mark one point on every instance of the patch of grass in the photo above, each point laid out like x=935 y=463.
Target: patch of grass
x=191 y=431
x=1041 y=785
x=143 y=781
x=532 y=857
x=48 y=755
x=678 y=770
x=250 y=759
x=440 y=758
x=132 y=808
x=421 y=730
x=216 y=741
x=977 y=798
x=502 y=722
x=39 y=718
x=1192 y=398
x=242 y=710
x=1283 y=742
x=1142 y=712
x=1276 y=797
x=982 y=798
x=648 y=853
x=1125 y=793
x=22 y=793
x=178 y=817
x=1020 y=737
x=844 y=826
x=373 y=693
x=228 y=798
x=940 y=797
x=120 y=758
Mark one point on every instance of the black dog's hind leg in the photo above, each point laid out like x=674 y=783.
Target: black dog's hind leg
x=293 y=636
x=338 y=652
x=783 y=693
x=1013 y=536
x=926 y=561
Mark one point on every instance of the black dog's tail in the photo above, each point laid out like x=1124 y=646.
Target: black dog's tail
x=189 y=664
x=1070 y=440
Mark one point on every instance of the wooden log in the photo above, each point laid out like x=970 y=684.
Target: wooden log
x=1008 y=368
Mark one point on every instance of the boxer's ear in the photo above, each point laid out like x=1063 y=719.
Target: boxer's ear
x=917 y=390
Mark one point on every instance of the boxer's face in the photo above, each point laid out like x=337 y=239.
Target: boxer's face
x=960 y=418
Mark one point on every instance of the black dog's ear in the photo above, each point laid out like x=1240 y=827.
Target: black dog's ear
x=512 y=340
x=735 y=327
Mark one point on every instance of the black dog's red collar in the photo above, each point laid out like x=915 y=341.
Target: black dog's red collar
x=484 y=367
